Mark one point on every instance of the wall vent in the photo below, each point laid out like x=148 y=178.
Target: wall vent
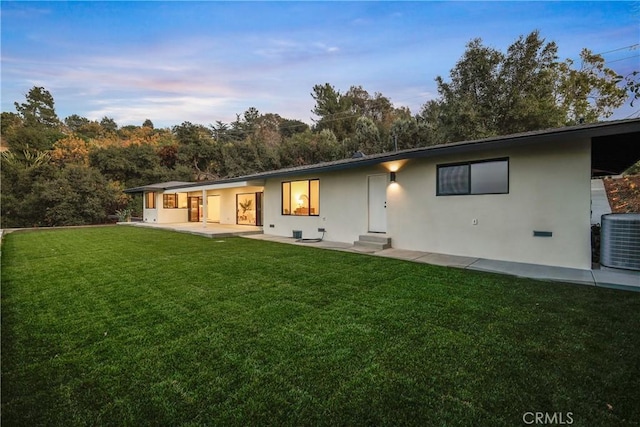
x=620 y=241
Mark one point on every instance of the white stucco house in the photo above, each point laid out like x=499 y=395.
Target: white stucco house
x=523 y=198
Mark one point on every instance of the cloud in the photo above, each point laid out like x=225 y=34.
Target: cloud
x=162 y=109
x=293 y=51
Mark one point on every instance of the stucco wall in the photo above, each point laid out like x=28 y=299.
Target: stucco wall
x=343 y=206
x=549 y=190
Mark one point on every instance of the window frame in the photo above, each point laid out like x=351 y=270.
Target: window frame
x=290 y=211
x=469 y=165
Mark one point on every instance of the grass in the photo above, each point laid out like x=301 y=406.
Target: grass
x=129 y=326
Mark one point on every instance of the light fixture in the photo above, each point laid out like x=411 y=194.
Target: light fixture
x=392 y=176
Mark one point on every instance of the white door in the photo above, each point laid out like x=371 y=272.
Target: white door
x=213 y=208
x=378 y=203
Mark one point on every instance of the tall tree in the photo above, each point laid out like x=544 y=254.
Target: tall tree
x=334 y=111
x=38 y=110
x=526 y=88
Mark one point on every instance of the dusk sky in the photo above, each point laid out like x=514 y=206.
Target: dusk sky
x=206 y=61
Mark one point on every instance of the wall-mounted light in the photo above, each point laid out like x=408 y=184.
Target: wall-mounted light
x=392 y=176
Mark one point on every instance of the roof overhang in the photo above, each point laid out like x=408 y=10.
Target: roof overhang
x=159 y=187
x=185 y=187
x=219 y=185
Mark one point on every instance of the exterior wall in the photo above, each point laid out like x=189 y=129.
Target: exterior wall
x=343 y=206
x=166 y=216
x=549 y=190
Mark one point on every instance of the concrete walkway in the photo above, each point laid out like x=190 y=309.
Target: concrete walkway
x=603 y=277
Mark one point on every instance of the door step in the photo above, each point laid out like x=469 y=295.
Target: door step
x=373 y=241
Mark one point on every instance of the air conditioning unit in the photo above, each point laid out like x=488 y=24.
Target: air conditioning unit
x=620 y=241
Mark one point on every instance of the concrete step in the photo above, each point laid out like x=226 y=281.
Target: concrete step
x=375 y=238
x=376 y=242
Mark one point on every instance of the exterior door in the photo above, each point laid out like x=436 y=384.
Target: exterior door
x=378 y=203
x=194 y=208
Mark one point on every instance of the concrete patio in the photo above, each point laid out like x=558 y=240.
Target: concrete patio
x=197 y=228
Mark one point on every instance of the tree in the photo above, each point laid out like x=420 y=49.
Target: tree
x=39 y=125
x=38 y=110
x=70 y=150
x=591 y=92
x=74 y=122
x=334 y=110
x=198 y=150
x=526 y=88
x=290 y=127
x=147 y=124
x=367 y=136
x=109 y=124
x=78 y=195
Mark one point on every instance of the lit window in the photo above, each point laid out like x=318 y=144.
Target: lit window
x=150 y=200
x=486 y=177
x=169 y=201
x=301 y=197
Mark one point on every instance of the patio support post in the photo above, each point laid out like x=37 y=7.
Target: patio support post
x=204 y=209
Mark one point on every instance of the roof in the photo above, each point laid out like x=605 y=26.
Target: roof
x=161 y=186
x=615 y=147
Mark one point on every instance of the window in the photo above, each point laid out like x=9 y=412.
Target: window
x=174 y=201
x=150 y=200
x=169 y=201
x=301 y=197
x=485 y=177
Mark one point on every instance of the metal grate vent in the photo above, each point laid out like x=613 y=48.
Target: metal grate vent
x=620 y=244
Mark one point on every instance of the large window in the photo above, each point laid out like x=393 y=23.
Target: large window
x=301 y=197
x=485 y=177
x=174 y=201
x=150 y=200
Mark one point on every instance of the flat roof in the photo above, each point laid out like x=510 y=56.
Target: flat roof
x=615 y=147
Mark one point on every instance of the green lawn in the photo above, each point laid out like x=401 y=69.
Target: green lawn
x=129 y=326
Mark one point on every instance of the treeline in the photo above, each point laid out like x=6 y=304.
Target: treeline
x=73 y=171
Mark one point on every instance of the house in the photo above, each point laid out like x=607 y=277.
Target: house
x=522 y=198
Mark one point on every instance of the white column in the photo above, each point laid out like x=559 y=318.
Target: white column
x=204 y=208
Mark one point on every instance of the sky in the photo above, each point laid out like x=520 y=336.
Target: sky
x=204 y=62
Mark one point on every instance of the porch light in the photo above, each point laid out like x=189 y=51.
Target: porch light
x=392 y=176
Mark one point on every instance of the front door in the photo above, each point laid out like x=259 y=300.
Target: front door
x=378 y=203
x=194 y=208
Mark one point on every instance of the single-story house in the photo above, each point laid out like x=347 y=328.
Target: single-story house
x=524 y=197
